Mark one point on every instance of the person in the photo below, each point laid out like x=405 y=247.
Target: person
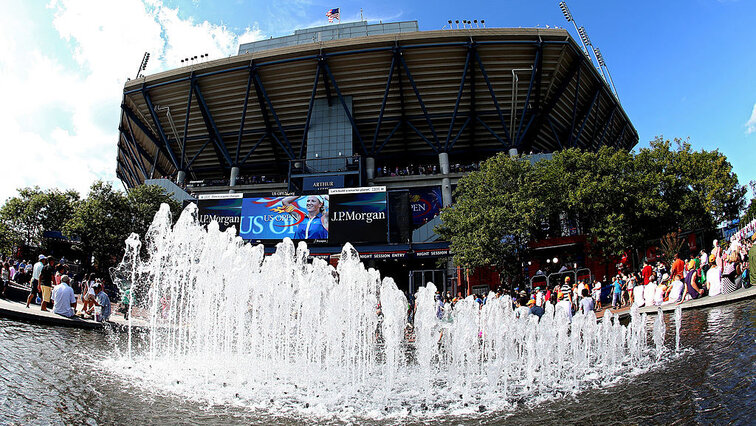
x=586 y=303
x=522 y=310
x=45 y=282
x=64 y=300
x=617 y=286
x=314 y=226
x=713 y=277
x=646 y=272
x=638 y=292
x=729 y=272
x=678 y=266
x=5 y=277
x=692 y=290
x=717 y=252
x=597 y=294
x=102 y=301
x=535 y=309
x=650 y=290
x=35 y=290
x=675 y=290
x=661 y=290
x=564 y=303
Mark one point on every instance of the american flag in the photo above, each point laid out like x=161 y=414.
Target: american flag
x=333 y=14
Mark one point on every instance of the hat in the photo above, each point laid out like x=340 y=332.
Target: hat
x=531 y=302
x=567 y=279
x=665 y=277
x=42 y=257
x=523 y=293
x=713 y=257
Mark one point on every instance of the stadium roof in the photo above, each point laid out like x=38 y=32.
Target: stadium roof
x=468 y=92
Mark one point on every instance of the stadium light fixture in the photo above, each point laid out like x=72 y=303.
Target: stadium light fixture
x=143 y=64
x=602 y=65
x=555 y=260
x=566 y=11
x=548 y=260
x=584 y=36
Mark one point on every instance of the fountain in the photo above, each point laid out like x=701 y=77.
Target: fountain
x=286 y=336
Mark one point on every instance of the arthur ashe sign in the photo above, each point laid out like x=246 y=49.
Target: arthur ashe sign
x=358 y=215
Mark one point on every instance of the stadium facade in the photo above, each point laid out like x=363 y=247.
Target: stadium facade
x=356 y=105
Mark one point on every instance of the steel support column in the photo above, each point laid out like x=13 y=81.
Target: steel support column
x=576 y=142
x=212 y=128
x=383 y=105
x=533 y=73
x=420 y=100
x=159 y=127
x=244 y=115
x=495 y=101
x=459 y=97
x=287 y=147
x=309 y=111
x=325 y=66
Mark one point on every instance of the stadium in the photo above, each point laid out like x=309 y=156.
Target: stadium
x=341 y=108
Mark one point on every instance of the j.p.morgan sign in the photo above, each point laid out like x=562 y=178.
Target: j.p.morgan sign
x=358 y=215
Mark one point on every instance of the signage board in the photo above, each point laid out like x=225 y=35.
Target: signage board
x=425 y=203
x=222 y=208
x=275 y=218
x=358 y=215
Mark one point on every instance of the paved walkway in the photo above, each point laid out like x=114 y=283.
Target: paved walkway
x=703 y=302
x=18 y=311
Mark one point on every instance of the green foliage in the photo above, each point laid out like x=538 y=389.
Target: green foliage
x=618 y=199
x=107 y=217
x=34 y=211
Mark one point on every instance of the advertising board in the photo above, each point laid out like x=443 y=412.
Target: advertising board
x=275 y=218
x=358 y=215
x=222 y=208
x=425 y=203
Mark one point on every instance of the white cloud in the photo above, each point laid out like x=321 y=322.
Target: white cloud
x=61 y=107
x=751 y=123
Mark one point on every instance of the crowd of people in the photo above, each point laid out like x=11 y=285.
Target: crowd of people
x=718 y=271
x=423 y=169
x=52 y=286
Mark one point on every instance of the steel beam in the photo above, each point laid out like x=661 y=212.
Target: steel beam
x=420 y=100
x=495 y=101
x=527 y=97
x=212 y=128
x=491 y=131
x=159 y=127
x=244 y=115
x=574 y=107
x=133 y=154
x=246 y=157
x=459 y=97
x=202 y=148
x=545 y=112
x=553 y=130
x=391 y=134
x=383 y=104
x=576 y=142
x=325 y=66
x=309 y=111
x=287 y=148
x=464 y=125
x=419 y=133
x=186 y=127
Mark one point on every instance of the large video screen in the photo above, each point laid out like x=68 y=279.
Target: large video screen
x=222 y=208
x=358 y=215
x=275 y=218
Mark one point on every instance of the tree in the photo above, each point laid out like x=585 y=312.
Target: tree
x=490 y=221
x=618 y=199
x=107 y=217
x=34 y=211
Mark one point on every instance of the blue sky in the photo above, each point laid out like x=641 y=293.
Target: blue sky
x=682 y=68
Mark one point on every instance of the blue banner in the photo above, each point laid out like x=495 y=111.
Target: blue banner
x=275 y=218
x=425 y=204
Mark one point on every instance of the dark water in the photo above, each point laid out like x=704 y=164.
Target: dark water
x=55 y=376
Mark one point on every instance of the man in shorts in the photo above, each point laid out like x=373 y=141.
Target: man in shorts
x=45 y=282
x=36 y=272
